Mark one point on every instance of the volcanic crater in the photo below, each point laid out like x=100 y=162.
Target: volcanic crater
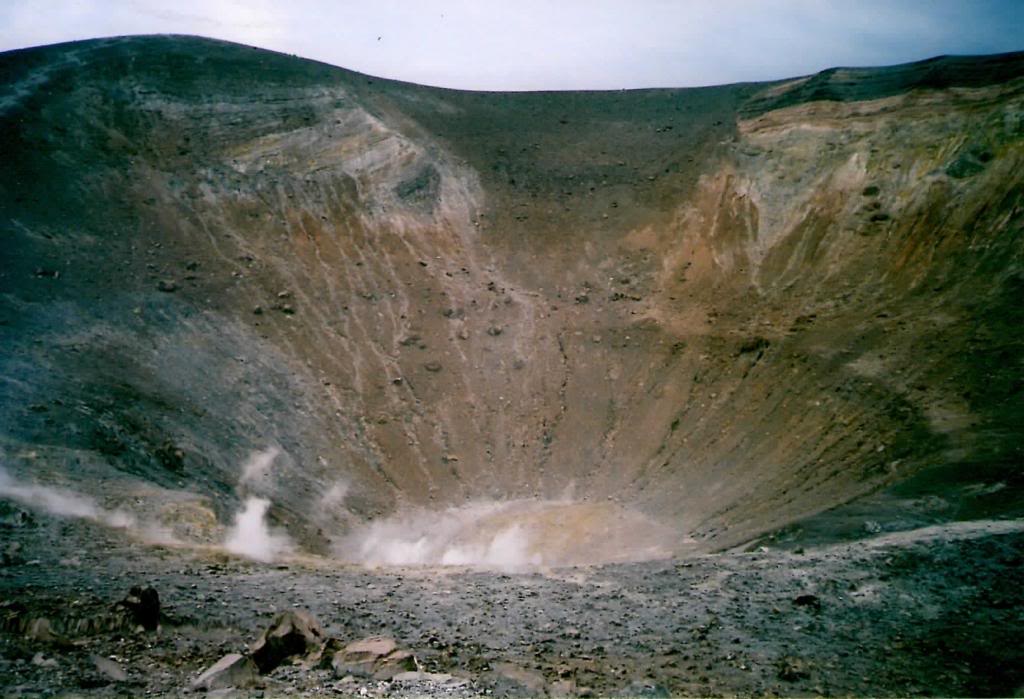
x=692 y=391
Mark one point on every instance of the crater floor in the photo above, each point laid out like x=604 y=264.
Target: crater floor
x=923 y=613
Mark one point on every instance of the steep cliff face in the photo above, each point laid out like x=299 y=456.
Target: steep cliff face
x=726 y=309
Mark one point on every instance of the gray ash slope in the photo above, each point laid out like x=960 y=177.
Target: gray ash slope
x=786 y=313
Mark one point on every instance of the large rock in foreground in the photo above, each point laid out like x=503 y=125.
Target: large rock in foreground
x=291 y=634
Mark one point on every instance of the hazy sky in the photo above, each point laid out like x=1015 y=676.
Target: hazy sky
x=554 y=44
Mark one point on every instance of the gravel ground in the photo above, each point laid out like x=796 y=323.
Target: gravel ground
x=936 y=611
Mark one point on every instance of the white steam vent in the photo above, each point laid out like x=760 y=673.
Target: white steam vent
x=512 y=536
x=250 y=535
x=61 y=502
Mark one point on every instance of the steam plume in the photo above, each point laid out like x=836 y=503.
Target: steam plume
x=256 y=469
x=251 y=537
x=249 y=534
x=458 y=536
x=61 y=502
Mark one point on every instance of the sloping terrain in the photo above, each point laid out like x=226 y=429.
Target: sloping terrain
x=725 y=308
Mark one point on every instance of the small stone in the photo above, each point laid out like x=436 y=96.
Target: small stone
x=109 y=668
x=811 y=601
x=40 y=629
x=432 y=366
x=494 y=331
x=233 y=670
x=792 y=669
x=41 y=660
x=167 y=286
x=11 y=555
x=531 y=681
x=562 y=688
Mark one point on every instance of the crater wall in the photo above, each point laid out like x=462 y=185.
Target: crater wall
x=728 y=309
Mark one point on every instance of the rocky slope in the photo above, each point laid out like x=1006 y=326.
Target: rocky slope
x=724 y=309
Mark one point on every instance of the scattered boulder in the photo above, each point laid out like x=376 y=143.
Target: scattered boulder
x=12 y=517
x=562 y=688
x=753 y=344
x=109 y=669
x=170 y=456
x=40 y=629
x=40 y=660
x=510 y=679
x=167 y=286
x=969 y=162
x=810 y=601
x=11 y=555
x=233 y=670
x=377 y=656
x=432 y=366
x=143 y=607
x=290 y=634
x=792 y=669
